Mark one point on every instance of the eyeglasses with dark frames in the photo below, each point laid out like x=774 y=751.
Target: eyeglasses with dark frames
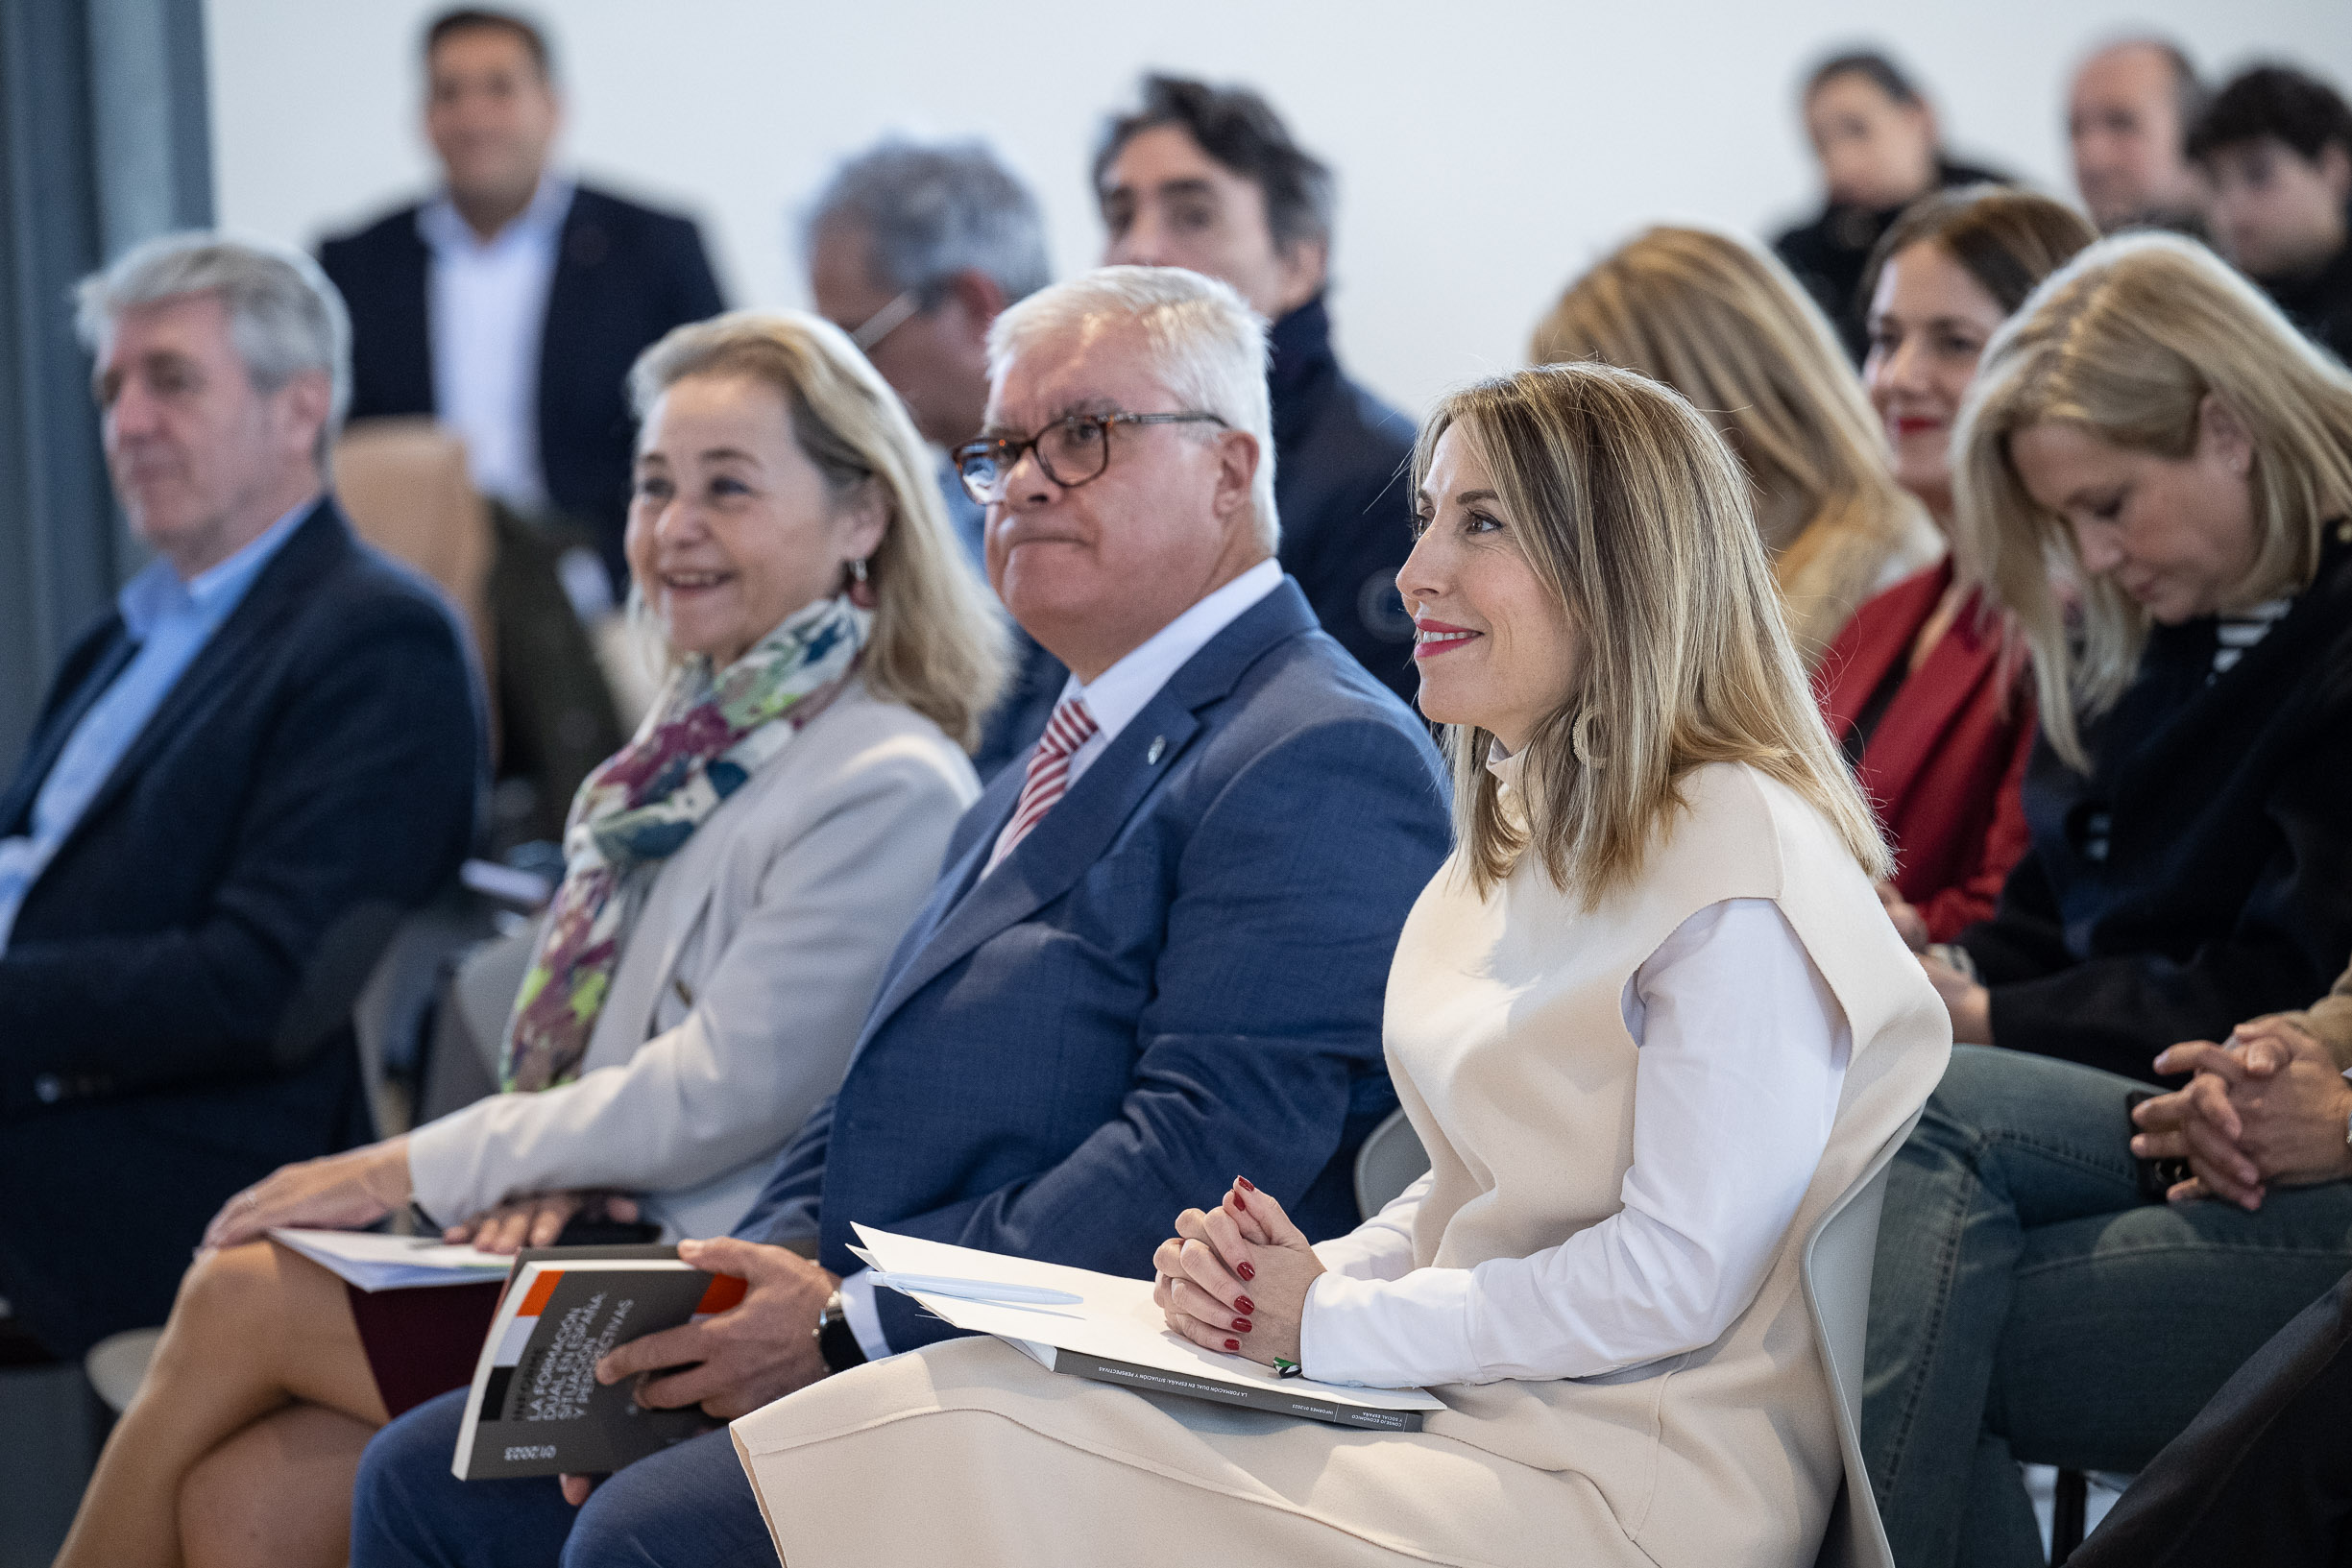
x=1071 y=450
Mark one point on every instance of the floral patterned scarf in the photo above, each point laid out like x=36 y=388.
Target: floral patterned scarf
x=706 y=736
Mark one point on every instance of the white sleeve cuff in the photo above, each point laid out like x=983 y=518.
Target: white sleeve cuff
x=863 y=1316
x=1389 y=1333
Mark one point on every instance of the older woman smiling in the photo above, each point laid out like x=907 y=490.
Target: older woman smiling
x=736 y=877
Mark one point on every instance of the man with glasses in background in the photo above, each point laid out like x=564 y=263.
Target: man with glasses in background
x=1157 y=954
x=915 y=251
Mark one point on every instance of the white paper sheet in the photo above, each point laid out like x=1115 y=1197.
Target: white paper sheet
x=1115 y=1320
x=376 y=1262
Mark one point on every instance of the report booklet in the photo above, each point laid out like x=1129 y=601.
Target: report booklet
x=1106 y=1327
x=375 y=1261
x=536 y=1407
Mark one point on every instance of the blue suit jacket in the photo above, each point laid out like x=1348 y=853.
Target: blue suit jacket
x=1176 y=978
x=624 y=274
x=175 y=999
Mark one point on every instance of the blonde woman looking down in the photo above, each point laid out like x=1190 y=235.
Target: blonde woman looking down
x=1649 y=1021
x=736 y=876
x=1728 y=327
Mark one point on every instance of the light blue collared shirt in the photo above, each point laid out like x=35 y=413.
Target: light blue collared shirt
x=170 y=621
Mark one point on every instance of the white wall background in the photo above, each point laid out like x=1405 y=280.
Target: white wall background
x=1487 y=149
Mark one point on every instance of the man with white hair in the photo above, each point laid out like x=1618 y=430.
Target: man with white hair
x=1157 y=956
x=239 y=782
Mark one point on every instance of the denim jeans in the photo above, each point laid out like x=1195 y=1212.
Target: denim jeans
x=2029 y=1305
x=687 y=1505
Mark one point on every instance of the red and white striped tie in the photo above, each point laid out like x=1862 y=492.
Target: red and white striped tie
x=1048 y=773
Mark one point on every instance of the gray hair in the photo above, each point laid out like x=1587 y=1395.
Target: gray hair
x=1205 y=346
x=931 y=212
x=284 y=317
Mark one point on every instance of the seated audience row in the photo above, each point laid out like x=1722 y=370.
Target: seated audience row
x=737 y=875
x=1153 y=925
x=2153 y=425
x=795 y=980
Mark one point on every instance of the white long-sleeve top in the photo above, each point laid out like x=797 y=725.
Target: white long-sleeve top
x=1742 y=1056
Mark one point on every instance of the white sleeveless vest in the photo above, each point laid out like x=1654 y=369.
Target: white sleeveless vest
x=1511 y=1056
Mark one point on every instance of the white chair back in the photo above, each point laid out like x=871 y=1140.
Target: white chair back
x=1836 y=1269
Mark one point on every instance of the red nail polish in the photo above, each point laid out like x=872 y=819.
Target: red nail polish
x=1245 y=1271
x=1241 y=1325
x=1242 y=1304
x=1240 y=1204
x=1243 y=1183
x=1234 y=1344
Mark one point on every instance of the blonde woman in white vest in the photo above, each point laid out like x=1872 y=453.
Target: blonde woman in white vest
x=1650 y=1020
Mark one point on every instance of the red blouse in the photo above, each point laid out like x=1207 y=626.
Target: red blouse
x=1943 y=763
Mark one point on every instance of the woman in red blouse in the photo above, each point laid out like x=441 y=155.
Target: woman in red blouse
x=1922 y=688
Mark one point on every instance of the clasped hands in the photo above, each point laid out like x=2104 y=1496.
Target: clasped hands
x=2267 y=1109
x=1236 y=1278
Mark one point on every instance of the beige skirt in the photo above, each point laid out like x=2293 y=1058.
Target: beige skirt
x=969 y=1453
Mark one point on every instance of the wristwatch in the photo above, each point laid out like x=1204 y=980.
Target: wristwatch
x=837 y=1342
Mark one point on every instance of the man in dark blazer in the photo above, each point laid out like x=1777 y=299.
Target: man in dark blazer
x=1208 y=177
x=236 y=788
x=543 y=290
x=1124 y=989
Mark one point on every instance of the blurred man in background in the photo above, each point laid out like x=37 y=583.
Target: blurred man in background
x=1209 y=178
x=2128 y=116
x=511 y=305
x=914 y=251
x=2278 y=146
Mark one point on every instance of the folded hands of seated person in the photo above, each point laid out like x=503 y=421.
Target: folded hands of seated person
x=2267 y=1109
x=1236 y=1278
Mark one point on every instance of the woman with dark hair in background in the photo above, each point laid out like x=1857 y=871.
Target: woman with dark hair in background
x=1924 y=688
x=1880 y=150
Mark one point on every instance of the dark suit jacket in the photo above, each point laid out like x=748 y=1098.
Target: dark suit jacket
x=1944 y=756
x=1344 y=487
x=2202 y=873
x=624 y=274
x=1176 y=978
x=175 y=999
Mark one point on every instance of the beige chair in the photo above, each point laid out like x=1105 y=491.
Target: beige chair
x=404 y=485
x=1838 y=1259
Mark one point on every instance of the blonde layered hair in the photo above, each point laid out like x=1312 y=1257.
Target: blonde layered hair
x=1727 y=327
x=939 y=642
x=1631 y=509
x=2128 y=341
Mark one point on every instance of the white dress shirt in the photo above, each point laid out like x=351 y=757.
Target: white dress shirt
x=486 y=306
x=1114 y=697
x=1121 y=692
x=1743 y=1052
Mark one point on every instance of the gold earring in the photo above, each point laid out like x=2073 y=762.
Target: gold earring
x=1580 y=741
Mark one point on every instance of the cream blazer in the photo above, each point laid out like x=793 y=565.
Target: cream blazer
x=746 y=975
